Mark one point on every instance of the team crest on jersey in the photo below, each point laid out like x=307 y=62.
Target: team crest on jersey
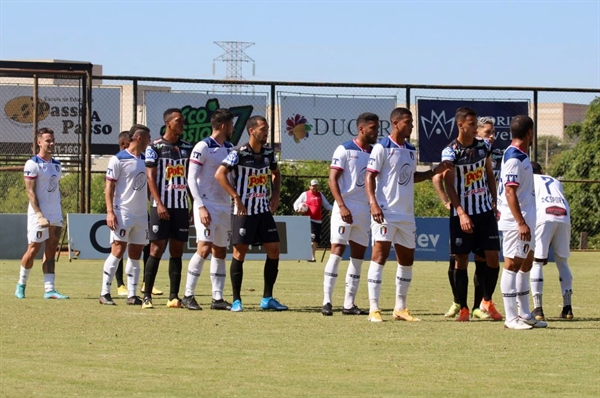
x=242 y=231
x=122 y=233
x=155 y=228
x=458 y=241
x=57 y=167
x=412 y=156
x=383 y=230
x=206 y=233
x=341 y=230
x=184 y=153
x=39 y=234
x=481 y=153
x=266 y=160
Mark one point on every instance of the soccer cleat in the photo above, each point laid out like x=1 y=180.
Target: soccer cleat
x=155 y=291
x=517 y=324
x=488 y=306
x=147 y=303
x=106 y=299
x=566 y=313
x=53 y=294
x=327 y=310
x=534 y=323
x=220 y=305
x=375 y=316
x=122 y=290
x=236 y=306
x=463 y=315
x=20 y=291
x=269 y=303
x=134 y=300
x=480 y=314
x=405 y=315
x=353 y=311
x=453 y=311
x=190 y=303
x=538 y=314
x=174 y=303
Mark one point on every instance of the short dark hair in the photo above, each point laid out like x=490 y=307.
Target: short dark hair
x=220 y=116
x=463 y=112
x=536 y=167
x=253 y=121
x=137 y=129
x=520 y=125
x=169 y=112
x=399 y=112
x=42 y=131
x=366 y=117
x=123 y=135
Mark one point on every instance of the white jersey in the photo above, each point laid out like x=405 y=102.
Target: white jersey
x=395 y=166
x=352 y=160
x=516 y=171
x=550 y=200
x=131 y=192
x=206 y=158
x=47 y=175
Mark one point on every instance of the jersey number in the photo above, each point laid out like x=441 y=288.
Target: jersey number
x=549 y=181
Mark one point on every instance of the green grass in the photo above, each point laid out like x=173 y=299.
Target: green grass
x=78 y=348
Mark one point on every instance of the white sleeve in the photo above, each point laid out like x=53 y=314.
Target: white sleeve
x=301 y=199
x=194 y=183
x=326 y=203
x=113 y=170
x=338 y=161
x=376 y=159
x=31 y=170
x=510 y=172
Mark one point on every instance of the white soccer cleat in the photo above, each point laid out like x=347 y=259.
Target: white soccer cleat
x=534 y=323
x=517 y=324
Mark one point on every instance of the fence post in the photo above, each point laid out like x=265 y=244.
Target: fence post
x=583 y=238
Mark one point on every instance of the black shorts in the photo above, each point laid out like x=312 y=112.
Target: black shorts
x=177 y=227
x=315 y=231
x=484 y=237
x=254 y=229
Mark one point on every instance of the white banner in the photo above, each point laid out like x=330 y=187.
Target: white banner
x=312 y=127
x=89 y=238
x=197 y=109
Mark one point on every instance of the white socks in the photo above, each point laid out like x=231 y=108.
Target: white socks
x=537 y=283
x=193 y=274
x=218 y=273
x=374 y=285
x=565 y=277
x=508 y=286
x=132 y=269
x=523 y=294
x=110 y=268
x=330 y=277
x=352 y=281
x=403 y=278
x=24 y=275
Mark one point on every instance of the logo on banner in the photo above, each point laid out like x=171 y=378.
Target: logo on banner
x=437 y=124
x=297 y=127
x=21 y=109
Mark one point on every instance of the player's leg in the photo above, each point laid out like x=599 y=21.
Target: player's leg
x=339 y=232
x=35 y=237
x=204 y=241
x=478 y=283
x=543 y=237
x=508 y=280
x=455 y=307
x=118 y=244
x=523 y=291
x=560 y=246
x=404 y=245
x=178 y=237
x=267 y=234
x=158 y=232
x=358 y=240
x=242 y=232
x=382 y=244
x=461 y=244
x=48 y=261
x=488 y=239
x=133 y=268
x=218 y=273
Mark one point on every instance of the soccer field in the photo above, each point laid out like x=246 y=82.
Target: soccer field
x=77 y=347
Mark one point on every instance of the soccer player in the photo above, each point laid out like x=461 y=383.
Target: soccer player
x=552 y=229
x=252 y=220
x=390 y=178
x=471 y=189
x=316 y=201
x=166 y=168
x=486 y=130
x=516 y=204
x=44 y=214
x=126 y=215
x=212 y=211
x=124 y=141
x=350 y=217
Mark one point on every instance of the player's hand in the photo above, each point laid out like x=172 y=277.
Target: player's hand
x=273 y=204
x=111 y=221
x=465 y=223
x=241 y=209
x=163 y=214
x=524 y=232
x=346 y=214
x=43 y=221
x=376 y=213
x=447 y=205
x=205 y=217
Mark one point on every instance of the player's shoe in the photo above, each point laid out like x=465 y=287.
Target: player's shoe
x=122 y=290
x=480 y=314
x=236 y=306
x=175 y=303
x=190 y=303
x=147 y=303
x=375 y=316
x=20 y=291
x=106 y=299
x=353 y=311
x=53 y=294
x=405 y=315
x=453 y=311
x=220 y=305
x=534 y=323
x=517 y=324
x=134 y=300
x=327 y=310
x=538 y=314
x=155 y=291
x=269 y=303
x=567 y=312
x=490 y=308
x=463 y=315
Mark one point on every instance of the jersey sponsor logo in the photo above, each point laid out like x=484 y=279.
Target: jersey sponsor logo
x=53 y=183
x=553 y=199
x=257 y=195
x=174 y=171
x=140 y=181
x=196 y=155
x=448 y=154
x=473 y=176
x=474 y=191
x=511 y=178
x=257 y=180
x=405 y=175
x=556 y=211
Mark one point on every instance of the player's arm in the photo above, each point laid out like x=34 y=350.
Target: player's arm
x=325 y=203
x=466 y=224
x=370 y=183
x=301 y=199
x=194 y=183
x=489 y=171
x=163 y=214
x=109 y=195
x=275 y=189
x=221 y=177
x=334 y=176
x=30 y=184
x=438 y=185
x=427 y=175
x=515 y=208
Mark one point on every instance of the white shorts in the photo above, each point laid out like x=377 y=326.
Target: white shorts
x=513 y=246
x=555 y=234
x=342 y=232
x=132 y=230
x=219 y=230
x=401 y=233
x=37 y=234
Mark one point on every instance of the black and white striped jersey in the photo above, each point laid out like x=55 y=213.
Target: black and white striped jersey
x=471 y=182
x=250 y=173
x=170 y=161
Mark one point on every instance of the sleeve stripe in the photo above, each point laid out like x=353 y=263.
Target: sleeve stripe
x=196 y=162
x=336 y=168
x=512 y=184
x=31 y=178
x=110 y=179
x=372 y=171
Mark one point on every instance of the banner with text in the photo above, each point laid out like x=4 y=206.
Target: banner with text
x=197 y=109
x=312 y=127
x=437 y=125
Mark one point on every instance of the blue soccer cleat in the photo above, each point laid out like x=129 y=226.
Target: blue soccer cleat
x=236 y=306
x=269 y=303
x=53 y=294
x=20 y=292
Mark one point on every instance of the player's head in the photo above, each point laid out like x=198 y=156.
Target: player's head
x=45 y=140
x=521 y=128
x=402 y=122
x=466 y=120
x=258 y=128
x=485 y=128
x=174 y=121
x=140 y=135
x=368 y=126
x=222 y=120
x=124 y=139
x=536 y=167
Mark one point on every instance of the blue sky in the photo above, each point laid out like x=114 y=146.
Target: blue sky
x=500 y=43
